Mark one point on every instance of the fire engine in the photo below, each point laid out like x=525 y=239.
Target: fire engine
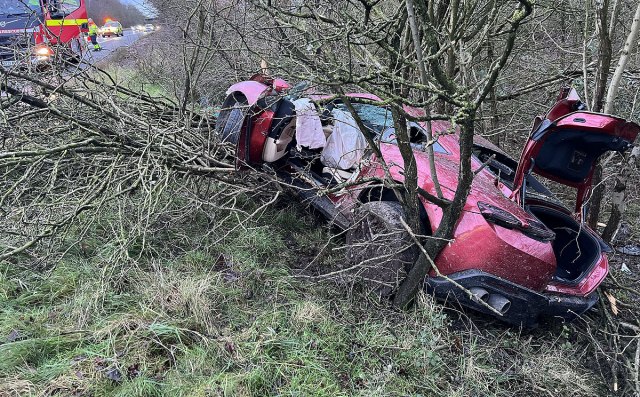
x=36 y=32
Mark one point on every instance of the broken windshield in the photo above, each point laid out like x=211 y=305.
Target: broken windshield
x=377 y=119
x=379 y=123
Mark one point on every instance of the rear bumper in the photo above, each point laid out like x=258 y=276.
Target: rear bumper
x=527 y=307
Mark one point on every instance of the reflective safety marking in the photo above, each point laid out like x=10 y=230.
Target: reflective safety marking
x=66 y=22
x=10 y=31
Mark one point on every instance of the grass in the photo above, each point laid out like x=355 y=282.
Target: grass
x=225 y=317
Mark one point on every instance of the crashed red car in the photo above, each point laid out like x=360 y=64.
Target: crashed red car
x=516 y=247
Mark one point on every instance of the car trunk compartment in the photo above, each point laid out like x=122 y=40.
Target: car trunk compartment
x=576 y=249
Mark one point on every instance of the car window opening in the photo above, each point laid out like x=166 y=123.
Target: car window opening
x=326 y=140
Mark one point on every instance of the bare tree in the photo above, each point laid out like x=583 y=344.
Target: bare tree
x=386 y=49
x=101 y=10
x=619 y=190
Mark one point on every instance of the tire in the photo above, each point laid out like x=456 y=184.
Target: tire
x=230 y=120
x=379 y=246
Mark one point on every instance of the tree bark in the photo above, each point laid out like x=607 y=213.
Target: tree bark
x=493 y=102
x=618 y=201
x=417 y=43
x=604 y=55
x=466 y=120
x=450 y=217
x=619 y=193
x=595 y=201
x=622 y=63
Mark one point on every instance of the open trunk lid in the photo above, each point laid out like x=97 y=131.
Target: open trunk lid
x=565 y=146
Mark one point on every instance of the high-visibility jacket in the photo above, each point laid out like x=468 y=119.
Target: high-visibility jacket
x=93 y=29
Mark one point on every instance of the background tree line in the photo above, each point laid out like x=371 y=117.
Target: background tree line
x=126 y=14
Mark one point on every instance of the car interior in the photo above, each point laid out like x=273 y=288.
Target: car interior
x=378 y=122
x=576 y=249
x=281 y=144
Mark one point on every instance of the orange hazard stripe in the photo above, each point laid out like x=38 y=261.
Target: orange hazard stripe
x=66 y=22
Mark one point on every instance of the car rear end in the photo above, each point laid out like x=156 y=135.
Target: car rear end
x=111 y=28
x=508 y=257
x=516 y=268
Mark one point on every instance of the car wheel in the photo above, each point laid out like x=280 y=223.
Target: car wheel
x=379 y=247
x=231 y=118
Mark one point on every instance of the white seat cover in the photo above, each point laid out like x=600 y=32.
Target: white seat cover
x=308 y=125
x=346 y=145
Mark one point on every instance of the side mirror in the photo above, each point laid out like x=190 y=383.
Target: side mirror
x=84 y=26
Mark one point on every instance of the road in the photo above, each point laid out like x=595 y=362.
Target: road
x=110 y=44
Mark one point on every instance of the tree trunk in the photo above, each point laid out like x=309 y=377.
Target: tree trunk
x=622 y=63
x=466 y=120
x=595 y=201
x=619 y=194
x=493 y=102
x=618 y=201
x=449 y=221
x=604 y=55
x=417 y=44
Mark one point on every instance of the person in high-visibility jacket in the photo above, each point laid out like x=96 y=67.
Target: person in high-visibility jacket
x=93 y=34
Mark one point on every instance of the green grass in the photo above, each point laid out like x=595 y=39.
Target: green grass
x=212 y=316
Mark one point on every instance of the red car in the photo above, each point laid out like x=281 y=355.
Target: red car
x=516 y=247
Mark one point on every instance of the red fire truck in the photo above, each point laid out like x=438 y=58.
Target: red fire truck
x=41 y=31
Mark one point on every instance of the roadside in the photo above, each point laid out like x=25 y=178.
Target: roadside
x=225 y=317
x=112 y=44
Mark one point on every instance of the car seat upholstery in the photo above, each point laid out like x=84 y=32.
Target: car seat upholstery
x=275 y=149
x=281 y=133
x=308 y=125
x=346 y=145
x=284 y=113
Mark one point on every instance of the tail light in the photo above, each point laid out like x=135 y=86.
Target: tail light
x=532 y=228
x=537 y=230
x=499 y=216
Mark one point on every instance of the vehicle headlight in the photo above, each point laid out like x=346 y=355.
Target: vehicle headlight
x=44 y=51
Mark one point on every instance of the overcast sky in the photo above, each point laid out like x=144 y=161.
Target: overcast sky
x=143 y=5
